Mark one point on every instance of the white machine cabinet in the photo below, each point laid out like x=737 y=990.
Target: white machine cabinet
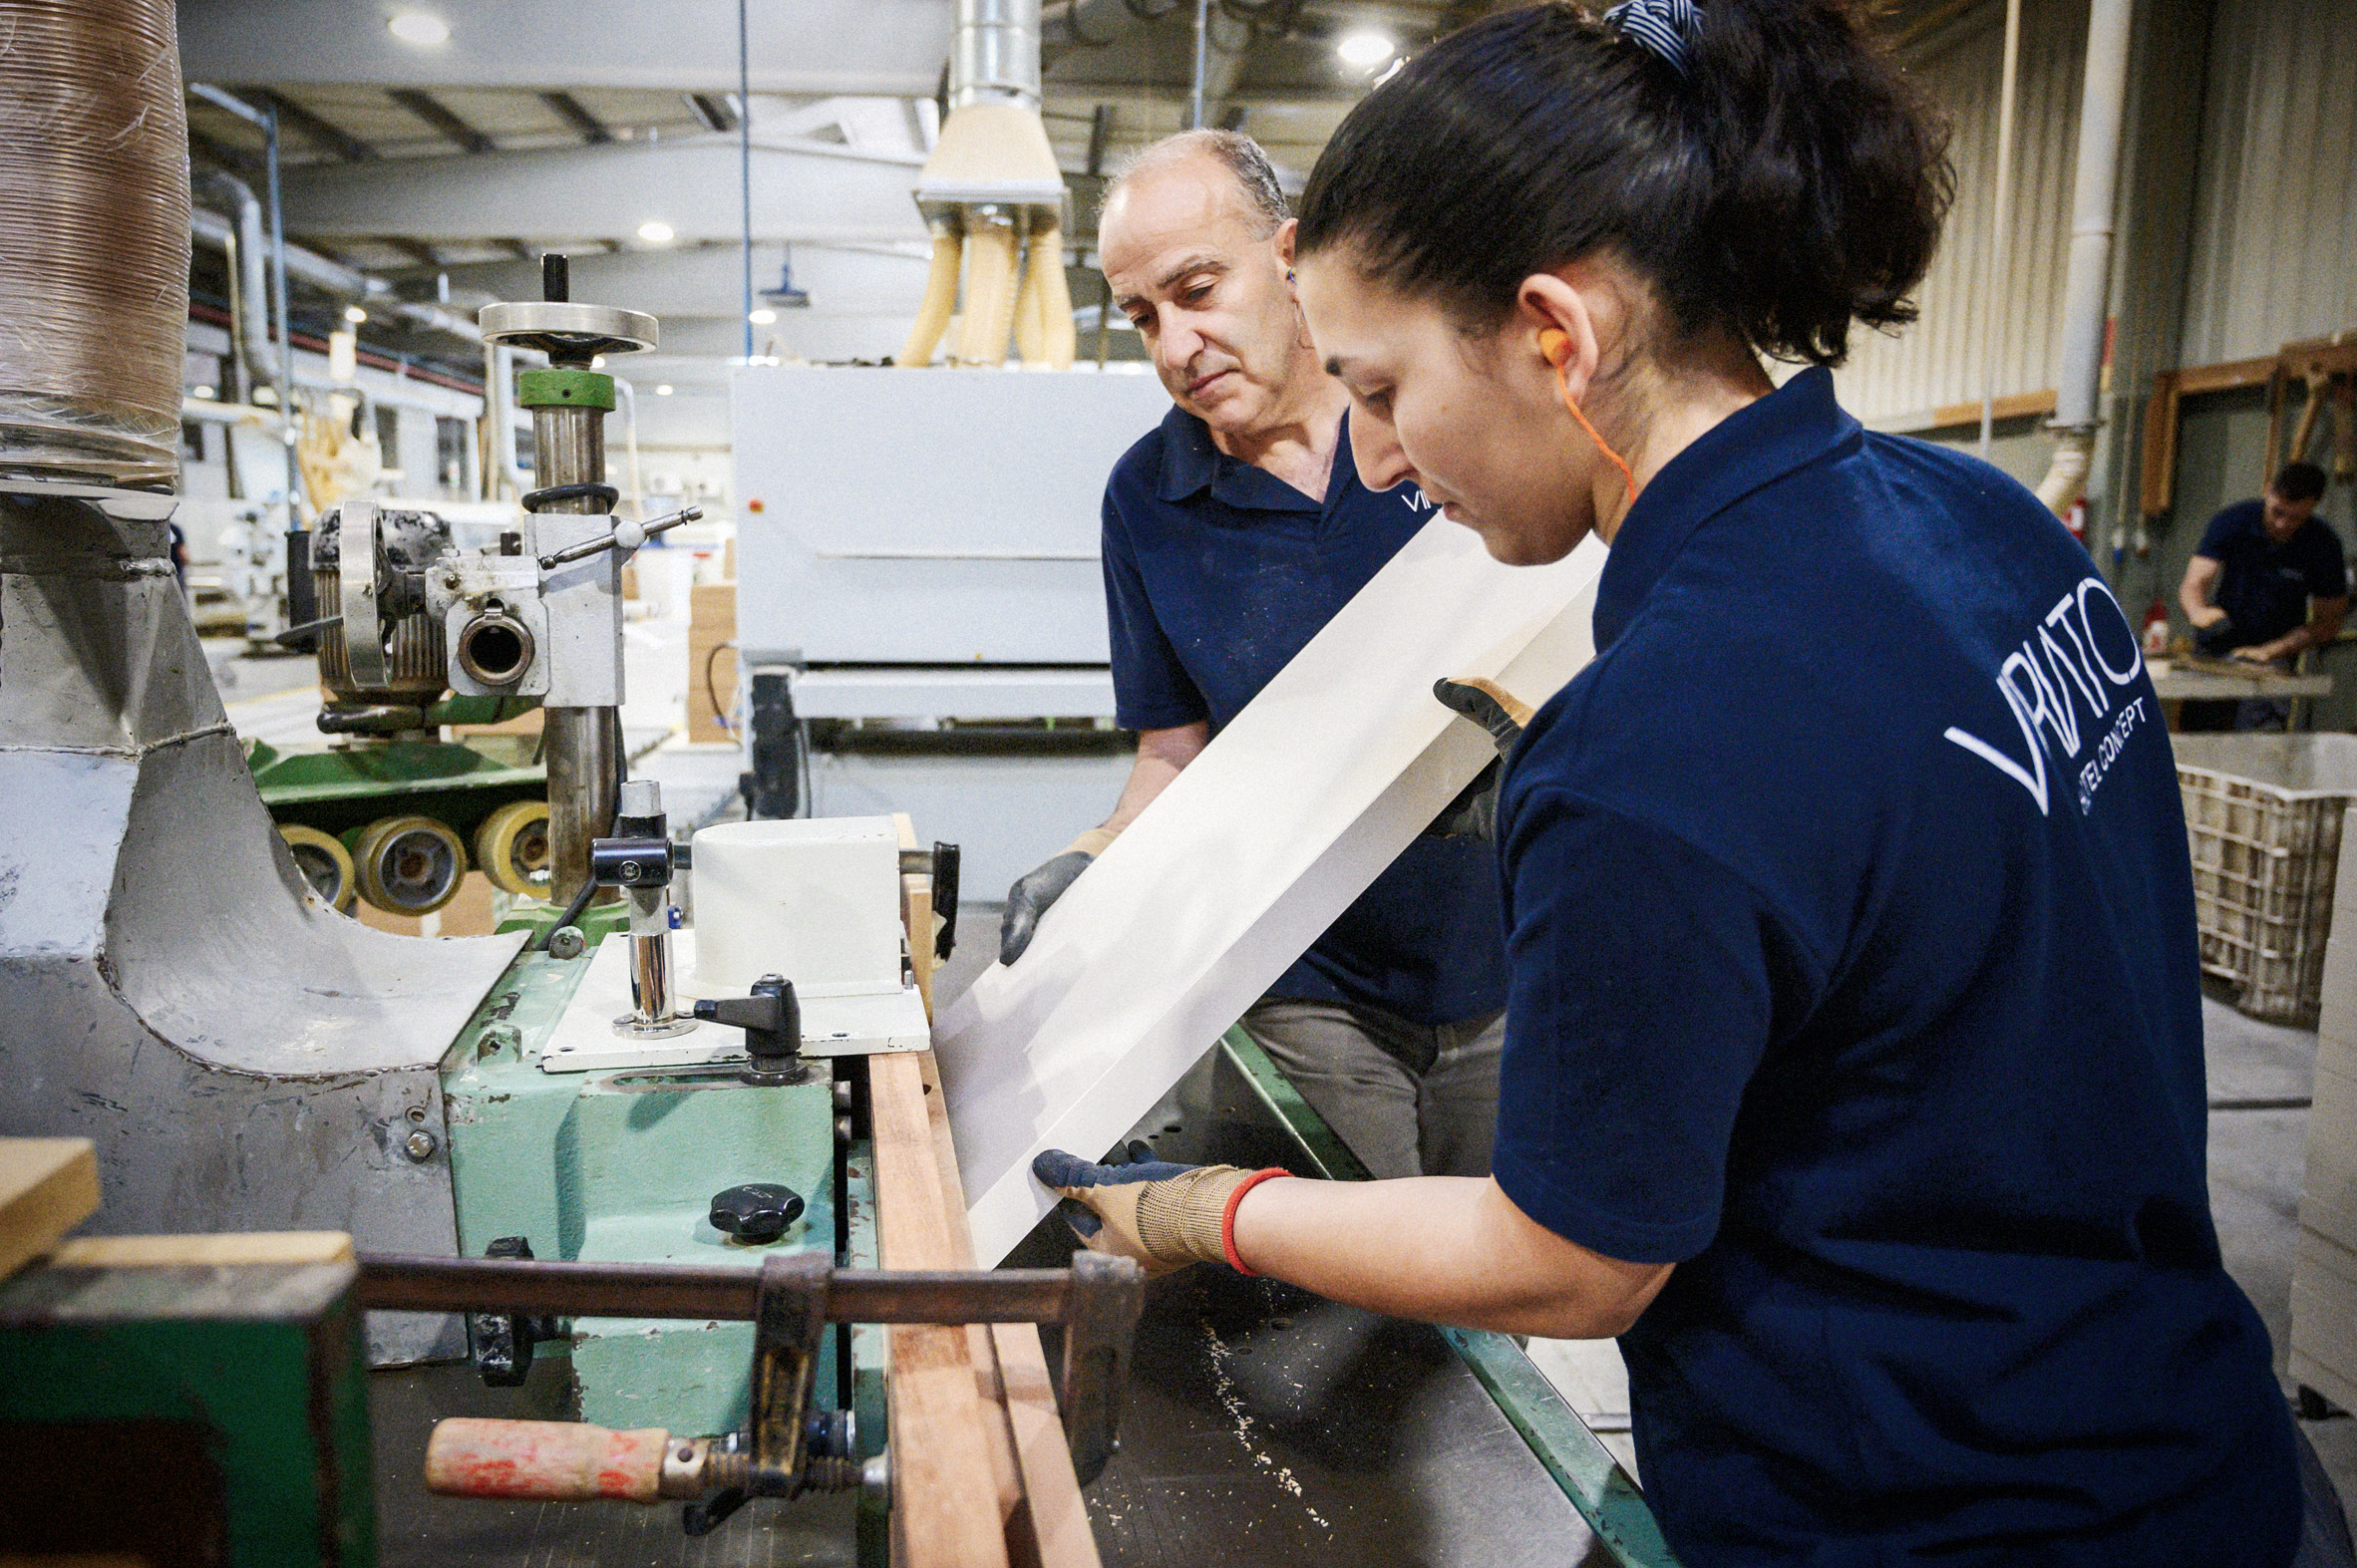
x=889 y=516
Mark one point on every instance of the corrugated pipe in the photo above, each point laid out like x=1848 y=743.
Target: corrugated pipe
x=2085 y=300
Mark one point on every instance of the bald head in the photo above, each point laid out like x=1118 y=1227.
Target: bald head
x=1199 y=257
x=1236 y=156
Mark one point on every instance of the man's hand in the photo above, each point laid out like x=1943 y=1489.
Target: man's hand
x=2205 y=617
x=1163 y=1217
x=2257 y=653
x=1041 y=887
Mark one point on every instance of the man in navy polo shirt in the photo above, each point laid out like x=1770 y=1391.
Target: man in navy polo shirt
x=1232 y=533
x=2268 y=582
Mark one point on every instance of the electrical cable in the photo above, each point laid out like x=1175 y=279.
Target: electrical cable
x=573 y=912
x=711 y=695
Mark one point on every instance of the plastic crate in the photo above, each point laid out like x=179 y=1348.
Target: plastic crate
x=2264 y=823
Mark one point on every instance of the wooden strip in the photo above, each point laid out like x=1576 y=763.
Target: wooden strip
x=2232 y=376
x=47 y=1187
x=2014 y=406
x=917 y=916
x=2157 y=490
x=1055 y=1523
x=171 y=1252
x=945 y=1498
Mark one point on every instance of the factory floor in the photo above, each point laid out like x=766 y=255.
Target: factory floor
x=2260 y=1078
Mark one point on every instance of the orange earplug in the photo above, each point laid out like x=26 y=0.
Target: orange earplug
x=1556 y=344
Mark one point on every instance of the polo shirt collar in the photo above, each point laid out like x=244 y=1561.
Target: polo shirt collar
x=1751 y=449
x=1192 y=464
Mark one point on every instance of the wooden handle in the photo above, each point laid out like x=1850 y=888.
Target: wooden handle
x=555 y=1461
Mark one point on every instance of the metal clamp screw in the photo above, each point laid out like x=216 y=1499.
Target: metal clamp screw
x=420 y=1146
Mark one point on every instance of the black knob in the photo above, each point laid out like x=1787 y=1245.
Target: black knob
x=757 y=1212
x=556 y=284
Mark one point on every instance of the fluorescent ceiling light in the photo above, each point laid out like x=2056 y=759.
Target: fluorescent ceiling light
x=1365 y=50
x=355 y=315
x=664 y=391
x=762 y=317
x=656 y=231
x=418 y=27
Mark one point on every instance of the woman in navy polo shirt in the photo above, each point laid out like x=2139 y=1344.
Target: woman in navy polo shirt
x=1853 y=1072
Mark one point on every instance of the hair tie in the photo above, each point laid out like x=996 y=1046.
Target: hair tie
x=1664 y=27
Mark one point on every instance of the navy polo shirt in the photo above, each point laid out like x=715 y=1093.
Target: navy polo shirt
x=1855 y=972
x=1216 y=574
x=2264 y=587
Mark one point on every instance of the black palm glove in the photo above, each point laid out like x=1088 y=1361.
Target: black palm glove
x=1030 y=897
x=1473 y=813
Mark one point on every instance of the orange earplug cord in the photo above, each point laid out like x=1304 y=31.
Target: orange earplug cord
x=1556 y=344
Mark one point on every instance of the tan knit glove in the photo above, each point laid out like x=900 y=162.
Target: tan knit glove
x=1165 y=1216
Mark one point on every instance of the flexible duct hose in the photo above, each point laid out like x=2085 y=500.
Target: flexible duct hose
x=1059 y=341
x=94 y=271
x=932 y=316
x=990 y=291
x=1029 y=347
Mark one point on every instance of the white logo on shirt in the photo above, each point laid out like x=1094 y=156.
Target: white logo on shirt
x=1416 y=501
x=2048 y=679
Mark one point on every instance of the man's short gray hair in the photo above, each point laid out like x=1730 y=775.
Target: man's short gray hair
x=1238 y=153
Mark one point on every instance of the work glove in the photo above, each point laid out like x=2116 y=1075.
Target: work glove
x=1161 y=1215
x=1041 y=887
x=1473 y=813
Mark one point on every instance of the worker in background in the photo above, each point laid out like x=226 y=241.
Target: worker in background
x=2267 y=583
x=1232 y=533
x=1853 y=1062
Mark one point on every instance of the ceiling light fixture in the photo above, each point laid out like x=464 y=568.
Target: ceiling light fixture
x=664 y=391
x=355 y=315
x=1365 y=50
x=762 y=317
x=656 y=231
x=420 y=28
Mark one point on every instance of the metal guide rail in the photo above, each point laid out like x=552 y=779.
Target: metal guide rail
x=789 y=1447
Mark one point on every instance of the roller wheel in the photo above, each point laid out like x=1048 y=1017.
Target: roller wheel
x=512 y=848
x=325 y=863
x=408 y=865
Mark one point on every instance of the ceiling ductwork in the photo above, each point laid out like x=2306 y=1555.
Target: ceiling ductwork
x=993 y=200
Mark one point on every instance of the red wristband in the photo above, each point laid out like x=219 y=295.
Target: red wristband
x=1227 y=1219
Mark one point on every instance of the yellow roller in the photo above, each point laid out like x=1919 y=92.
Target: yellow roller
x=512 y=848
x=408 y=865
x=325 y=863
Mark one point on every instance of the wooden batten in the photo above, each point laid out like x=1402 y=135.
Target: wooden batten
x=982 y=1475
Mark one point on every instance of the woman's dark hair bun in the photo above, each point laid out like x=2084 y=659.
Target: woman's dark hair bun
x=1786 y=182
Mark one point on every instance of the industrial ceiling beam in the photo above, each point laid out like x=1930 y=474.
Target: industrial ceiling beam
x=798 y=46
x=438 y=115
x=416 y=249
x=320 y=133
x=608 y=192
x=220 y=153
x=715 y=111
x=592 y=129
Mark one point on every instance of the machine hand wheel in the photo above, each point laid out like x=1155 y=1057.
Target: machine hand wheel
x=325 y=863
x=512 y=847
x=408 y=865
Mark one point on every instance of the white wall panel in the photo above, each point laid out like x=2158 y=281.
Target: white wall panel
x=2274 y=238
x=1936 y=361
